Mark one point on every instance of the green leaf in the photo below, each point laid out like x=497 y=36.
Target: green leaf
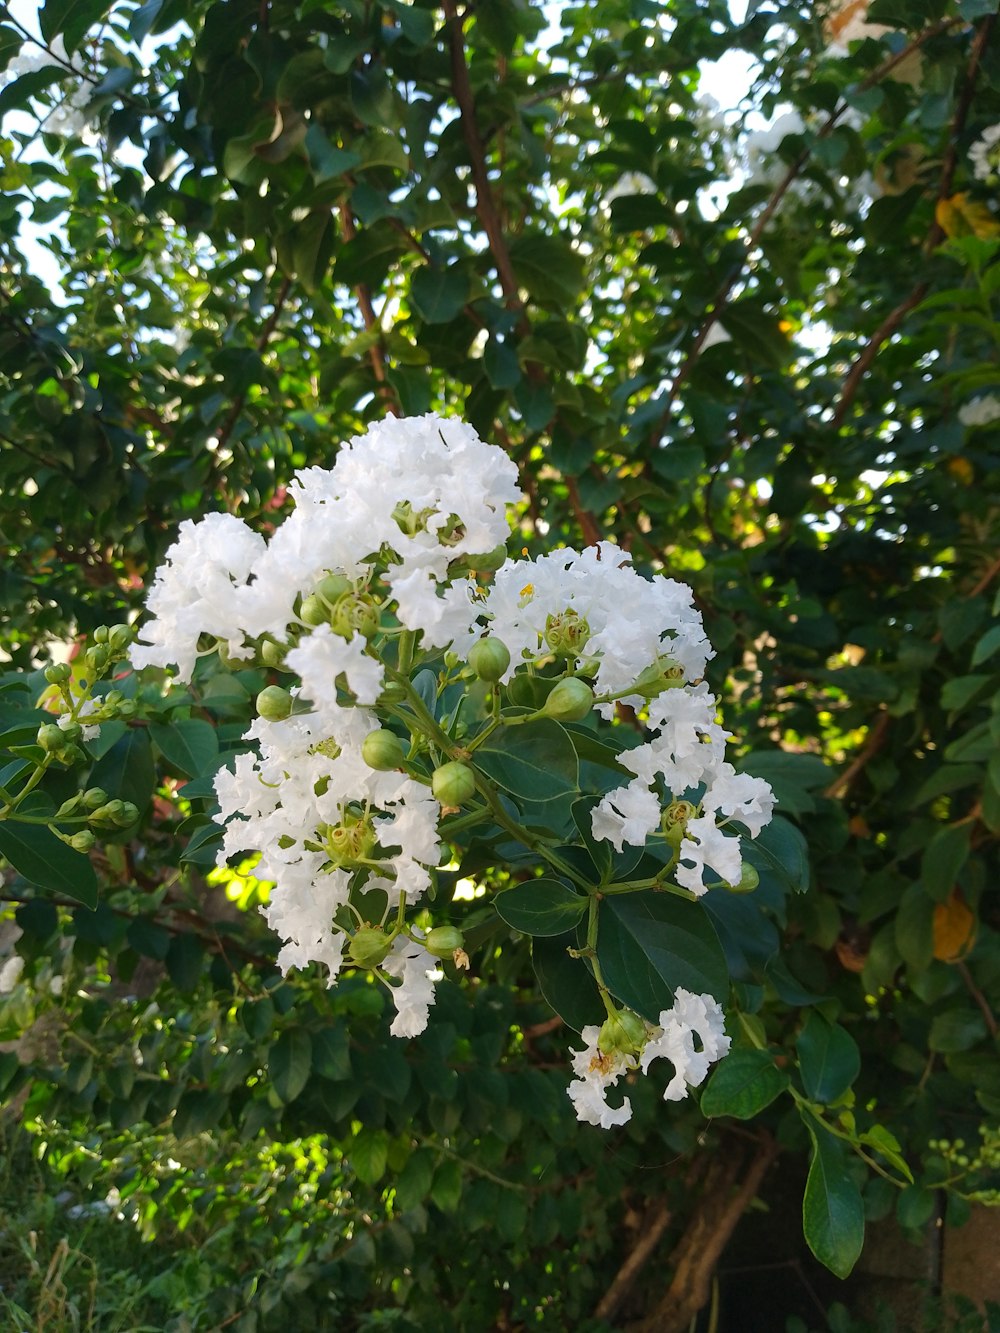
x=962 y=691
x=944 y=856
x=949 y=777
x=956 y=1030
x=331 y=1054
x=446 y=1191
x=986 y=646
x=791 y=777
x=781 y=853
x=549 y=268
x=829 y=1059
x=886 y=1143
x=536 y=761
x=289 y=1063
x=185 y=958
x=369 y=1154
x=126 y=772
x=650 y=943
x=45 y=861
x=414 y=1181
x=439 y=294
x=757 y=333
x=833 y=1213
x=541 y=907
x=742 y=1084
x=190 y=744
x=566 y=983
x=70 y=19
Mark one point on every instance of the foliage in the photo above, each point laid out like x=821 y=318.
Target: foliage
x=296 y=219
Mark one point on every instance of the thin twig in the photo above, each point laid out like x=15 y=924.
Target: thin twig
x=377 y=351
x=876 y=739
x=979 y=998
x=635 y=1261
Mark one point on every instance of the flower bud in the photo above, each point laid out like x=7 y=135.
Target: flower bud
x=443 y=941
x=453 y=784
x=272 y=654
x=625 y=1032
x=98 y=658
x=749 y=880
x=71 y=731
x=382 y=750
x=566 y=635
x=314 y=610
x=369 y=946
x=59 y=673
x=127 y=708
x=489 y=659
x=94 y=797
x=663 y=674
x=332 y=587
x=675 y=819
x=101 y=634
x=129 y=814
x=570 y=701
x=274 y=704
x=82 y=841
x=120 y=638
x=51 y=737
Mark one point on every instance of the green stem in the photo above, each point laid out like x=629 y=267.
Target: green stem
x=407 y=643
x=32 y=782
x=847 y=1138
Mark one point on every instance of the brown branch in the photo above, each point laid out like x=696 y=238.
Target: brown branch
x=935 y=235
x=876 y=739
x=979 y=998
x=486 y=209
x=634 y=1263
x=986 y=580
x=377 y=354
x=588 y=523
x=722 y=1200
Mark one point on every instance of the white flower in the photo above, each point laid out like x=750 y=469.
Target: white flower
x=740 y=796
x=10 y=973
x=764 y=166
x=984 y=155
x=705 y=846
x=627 y=814
x=323 y=656
x=68 y=116
x=595 y=1073
x=716 y=334
x=980 y=411
x=691 y=1015
x=629 y=183
x=413 y=997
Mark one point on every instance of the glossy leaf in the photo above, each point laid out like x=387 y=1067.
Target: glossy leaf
x=46 y=862
x=742 y=1084
x=829 y=1059
x=541 y=906
x=833 y=1213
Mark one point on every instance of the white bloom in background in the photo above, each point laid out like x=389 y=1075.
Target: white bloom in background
x=629 y=183
x=980 y=411
x=10 y=973
x=984 y=155
x=764 y=166
x=413 y=997
x=690 y=1016
x=596 y=1072
x=69 y=116
x=56 y=985
x=86 y=709
x=716 y=334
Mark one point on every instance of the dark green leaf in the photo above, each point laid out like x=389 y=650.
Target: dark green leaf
x=650 y=943
x=190 y=744
x=548 y=267
x=45 y=861
x=566 y=983
x=289 y=1063
x=369 y=1154
x=833 y=1214
x=742 y=1085
x=829 y=1059
x=536 y=761
x=70 y=19
x=439 y=294
x=541 y=907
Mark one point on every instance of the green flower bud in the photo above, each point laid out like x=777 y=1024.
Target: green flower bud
x=369 y=946
x=272 y=654
x=98 y=658
x=274 y=704
x=354 y=613
x=332 y=587
x=59 y=673
x=112 y=699
x=625 y=1032
x=101 y=634
x=127 y=708
x=129 y=814
x=749 y=880
x=675 y=819
x=663 y=674
x=443 y=941
x=71 y=732
x=489 y=659
x=94 y=797
x=383 y=750
x=453 y=784
x=70 y=755
x=570 y=701
x=120 y=638
x=314 y=611
x=82 y=841
x=566 y=635
x=50 y=737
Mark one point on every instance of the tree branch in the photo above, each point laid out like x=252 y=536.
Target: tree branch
x=634 y=1263
x=377 y=352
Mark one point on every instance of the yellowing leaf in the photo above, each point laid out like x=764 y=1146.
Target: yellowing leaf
x=954 y=929
x=962 y=216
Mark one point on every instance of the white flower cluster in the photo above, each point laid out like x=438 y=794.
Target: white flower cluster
x=67 y=117
x=980 y=411
x=690 y=1016
x=984 y=155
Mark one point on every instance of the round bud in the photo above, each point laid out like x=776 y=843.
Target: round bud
x=353 y=614
x=368 y=946
x=94 y=797
x=314 y=611
x=570 y=701
x=129 y=814
x=453 y=784
x=120 y=638
x=332 y=587
x=112 y=699
x=51 y=737
x=489 y=659
x=274 y=704
x=443 y=941
x=272 y=654
x=127 y=708
x=101 y=634
x=82 y=841
x=625 y=1032
x=749 y=880
x=382 y=750
x=99 y=657
x=663 y=674
x=71 y=732
x=59 y=673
